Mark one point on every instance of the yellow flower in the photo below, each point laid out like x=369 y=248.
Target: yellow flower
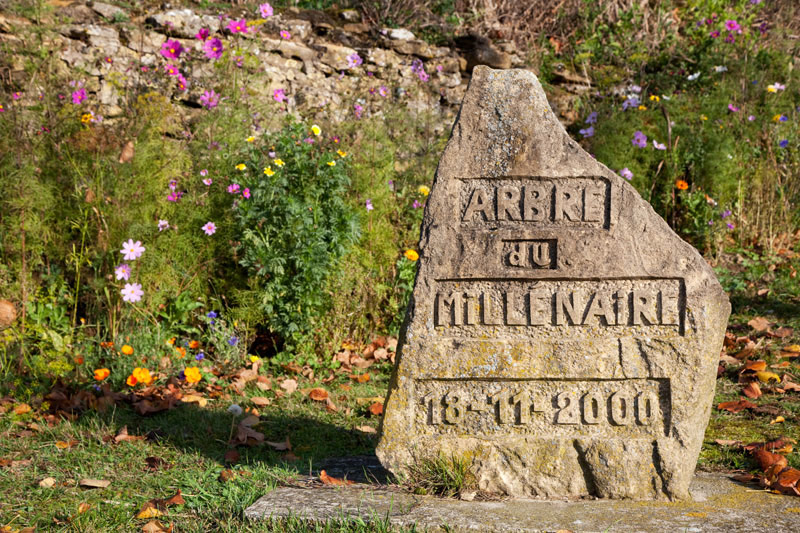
x=268 y=171
x=142 y=375
x=642 y=108
x=423 y=190
x=101 y=373
x=654 y=98
x=331 y=163
x=315 y=130
x=771 y=89
x=254 y=359
x=777 y=118
x=127 y=349
x=278 y=162
x=703 y=117
x=192 y=374
x=171 y=341
x=341 y=154
x=241 y=166
x=250 y=139
x=86 y=118
x=411 y=255
x=181 y=351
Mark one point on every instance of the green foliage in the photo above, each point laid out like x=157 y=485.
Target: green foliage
x=441 y=475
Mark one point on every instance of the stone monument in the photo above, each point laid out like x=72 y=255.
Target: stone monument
x=561 y=338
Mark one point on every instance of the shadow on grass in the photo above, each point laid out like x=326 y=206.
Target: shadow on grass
x=342 y=452
x=785 y=311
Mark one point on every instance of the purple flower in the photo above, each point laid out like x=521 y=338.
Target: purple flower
x=209 y=228
x=79 y=96
x=200 y=356
x=726 y=213
x=202 y=34
x=626 y=173
x=265 y=10
x=783 y=118
x=592 y=118
x=639 y=139
x=636 y=89
x=162 y=225
x=237 y=26
x=730 y=38
x=357 y=109
x=279 y=95
x=710 y=222
x=630 y=102
x=730 y=225
x=732 y=25
x=285 y=35
x=369 y=204
x=213 y=48
x=733 y=108
x=423 y=76
x=354 y=60
x=659 y=146
x=783 y=143
x=416 y=204
x=210 y=99
x=132 y=292
x=588 y=132
x=233 y=341
x=212 y=314
x=132 y=250
x=123 y=271
x=174 y=196
x=383 y=91
x=751 y=118
x=308 y=140
x=171 y=49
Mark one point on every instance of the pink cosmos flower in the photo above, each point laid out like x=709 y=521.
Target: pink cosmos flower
x=210 y=228
x=354 y=60
x=182 y=83
x=172 y=70
x=233 y=188
x=79 y=96
x=202 y=34
x=246 y=192
x=123 y=271
x=383 y=91
x=16 y=96
x=207 y=182
x=733 y=108
x=132 y=292
x=204 y=172
x=357 y=109
x=238 y=26
x=265 y=10
x=132 y=250
x=732 y=25
x=285 y=35
x=659 y=146
x=210 y=99
x=213 y=48
x=171 y=49
x=162 y=225
x=279 y=95
x=2 y=109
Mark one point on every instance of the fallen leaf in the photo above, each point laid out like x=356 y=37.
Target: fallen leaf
x=195 y=398
x=289 y=457
x=767 y=459
x=149 y=510
x=226 y=475
x=263 y=386
x=318 y=394
x=260 y=401
x=21 y=409
x=735 y=407
x=155 y=463
x=376 y=409
x=752 y=391
x=777 y=420
x=232 y=456
x=280 y=446
x=754 y=366
x=176 y=499
x=359 y=378
x=748 y=350
x=759 y=324
x=328 y=480
x=768 y=377
x=370 y=399
x=367 y=429
x=381 y=354
x=781 y=333
x=790 y=386
x=127 y=153
x=83 y=507
x=745 y=478
x=94 y=483
x=154 y=526
x=47 y=483
x=289 y=385
x=123 y=436
x=723 y=442
x=63 y=445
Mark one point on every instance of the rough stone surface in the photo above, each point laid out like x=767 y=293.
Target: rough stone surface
x=561 y=339
x=719 y=506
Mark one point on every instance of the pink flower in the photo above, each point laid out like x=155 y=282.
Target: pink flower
x=279 y=95
x=79 y=96
x=265 y=10
x=237 y=26
x=285 y=35
x=123 y=271
x=16 y=96
x=246 y=192
x=207 y=182
x=357 y=109
x=383 y=91
x=210 y=228
x=204 y=172
x=732 y=25
x=233 y=188
x=182 y=83
x=210 y=99
x=213 y=48
x=171 y=49
x=162 y=225
x=202 y=34
x=132 y=250
x=733 y=108
x=172 y=70
x=132 y=292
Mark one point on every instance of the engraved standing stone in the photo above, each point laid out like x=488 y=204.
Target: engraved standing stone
x=560 y=338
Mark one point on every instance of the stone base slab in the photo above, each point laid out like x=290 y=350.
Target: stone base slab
x=719 y=505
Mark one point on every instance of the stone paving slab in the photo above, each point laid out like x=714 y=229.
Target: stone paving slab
x=720 y=505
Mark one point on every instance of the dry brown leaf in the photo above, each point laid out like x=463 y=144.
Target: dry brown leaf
x=155 y=464
x=329 y=480
x=195 y=398
x=381 y=354
x=149 y=510
x=21 y=409
x=767 y=460
x=280 y=446
x=360 y=378
x=748 y=350
x=226 y=475
x=289 y=385
x=376 y=409
x=754 y=366
x=232 y=456
x=177 y=499
x=94 y=483
x=723 y=442
x=745 y=478
x=752 y=391
x=759 y=324
x=318 y=394
x=790 y=386
x=263 y=386
x=736 y=406
x=127 y=153
x=367 y=429
x=83 y=507
x=154 y=526
x=781 y=333
x=330 y=406
x=47 y=483
x=63 y=445
x=123 y=436
x=260 y=401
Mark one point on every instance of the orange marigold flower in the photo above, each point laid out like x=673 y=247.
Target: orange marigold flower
x=107 y=344
x=194 y=345
x=101 y=373
x=171 y=341
x=78 y=360
x=411 y=255
x=131 y=381
x=127 y=349
x=192 y=374
x=142 y=375
x=181 y=351
x=682 y=185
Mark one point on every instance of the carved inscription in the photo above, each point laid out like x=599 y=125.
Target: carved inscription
x=624 y=302
x=530 y=253
x=633 y=407
x=581 y=202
